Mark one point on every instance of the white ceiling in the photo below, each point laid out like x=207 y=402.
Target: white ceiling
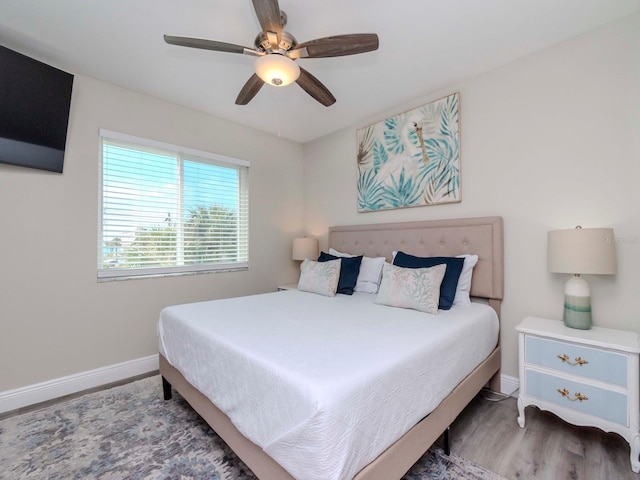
x=425 y=46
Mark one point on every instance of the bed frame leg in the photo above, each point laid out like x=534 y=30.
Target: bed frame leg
x=494 y=383
x=447 y=447
x=166 y=389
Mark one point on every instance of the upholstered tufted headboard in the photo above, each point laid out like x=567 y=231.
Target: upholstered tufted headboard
x=482 y=236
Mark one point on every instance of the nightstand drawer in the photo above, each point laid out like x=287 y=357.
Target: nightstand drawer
x=601 y=403
x=602 y=365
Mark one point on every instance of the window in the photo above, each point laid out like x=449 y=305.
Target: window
x=170 y=210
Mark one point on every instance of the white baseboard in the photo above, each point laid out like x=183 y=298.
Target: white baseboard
x=58 y=387
x=508 y=385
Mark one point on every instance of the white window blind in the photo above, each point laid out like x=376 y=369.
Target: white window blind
x=170 y=210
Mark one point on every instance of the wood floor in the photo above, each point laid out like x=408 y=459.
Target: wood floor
x=547 y=448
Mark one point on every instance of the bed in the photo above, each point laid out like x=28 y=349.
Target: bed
x=390 y=454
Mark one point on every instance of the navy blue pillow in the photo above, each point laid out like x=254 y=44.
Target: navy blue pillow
x=349 y=269
x=451 y=275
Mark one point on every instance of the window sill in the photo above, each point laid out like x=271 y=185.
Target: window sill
x=112 y=276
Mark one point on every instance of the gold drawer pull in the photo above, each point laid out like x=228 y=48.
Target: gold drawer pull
x=565 y=393
x=578 y=361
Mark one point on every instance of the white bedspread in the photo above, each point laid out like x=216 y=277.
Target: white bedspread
x=324 y=384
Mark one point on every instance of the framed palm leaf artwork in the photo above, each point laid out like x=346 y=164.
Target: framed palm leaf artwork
x=412 y=159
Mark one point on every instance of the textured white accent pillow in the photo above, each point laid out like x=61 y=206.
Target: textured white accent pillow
x=320 y=277
x=464 y=282
x=416 y=288
x=370 y=272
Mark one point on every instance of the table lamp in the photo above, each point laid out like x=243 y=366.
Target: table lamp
x=580 y=251
x=305 y=247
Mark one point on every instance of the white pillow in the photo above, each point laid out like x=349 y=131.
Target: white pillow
x=370 y=272
x=320 y=277
x=464 y=282
x=415 y=288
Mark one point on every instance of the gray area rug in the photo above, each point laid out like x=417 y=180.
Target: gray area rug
x=130 y=432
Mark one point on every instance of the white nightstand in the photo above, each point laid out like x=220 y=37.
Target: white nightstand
x=288 y=286
x=586 y=377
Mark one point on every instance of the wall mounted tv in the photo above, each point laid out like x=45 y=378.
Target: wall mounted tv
x=35 y=99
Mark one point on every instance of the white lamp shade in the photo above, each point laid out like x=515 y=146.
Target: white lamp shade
x=305 y=247
x=582 y=251
x=277 y=70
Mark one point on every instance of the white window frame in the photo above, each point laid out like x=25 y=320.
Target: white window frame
x=107 y=274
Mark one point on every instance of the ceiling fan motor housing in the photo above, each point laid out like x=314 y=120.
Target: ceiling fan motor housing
x=287 y=42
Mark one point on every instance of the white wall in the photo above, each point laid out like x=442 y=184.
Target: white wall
x=55 y=318
x=548 y=142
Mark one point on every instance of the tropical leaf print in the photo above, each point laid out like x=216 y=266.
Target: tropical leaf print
x=430 y=116
x=449 y=117
x=441 y=188
x=380 y=156
x=393 y=136
x=403 y=191
x=429 y=196
x=365 y=146
x=369 y=191
x=439 y=150
x=446 y=176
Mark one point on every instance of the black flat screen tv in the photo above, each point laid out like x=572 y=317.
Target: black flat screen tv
x=35 y=99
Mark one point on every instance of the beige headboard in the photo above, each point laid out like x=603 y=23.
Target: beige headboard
x=482 y=236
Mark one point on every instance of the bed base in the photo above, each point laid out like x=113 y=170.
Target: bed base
x=482 y=236
x=393 y=463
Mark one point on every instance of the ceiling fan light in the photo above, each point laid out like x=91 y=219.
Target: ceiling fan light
x=277 y=70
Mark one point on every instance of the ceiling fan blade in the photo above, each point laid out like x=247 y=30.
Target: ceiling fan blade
x=206 y=44
x=268 y=13
x=253 y=86
x=339 y=45
x=315 y=88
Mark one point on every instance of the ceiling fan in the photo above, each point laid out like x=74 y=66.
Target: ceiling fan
x=278 y=50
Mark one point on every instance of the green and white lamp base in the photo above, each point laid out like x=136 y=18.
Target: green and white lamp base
x=577 y=304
